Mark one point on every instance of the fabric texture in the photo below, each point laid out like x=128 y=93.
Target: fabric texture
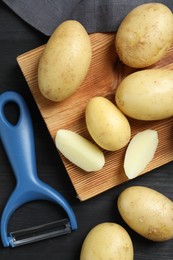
x=95 y=15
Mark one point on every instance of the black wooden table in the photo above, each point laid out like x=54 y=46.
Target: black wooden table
x=17 y=37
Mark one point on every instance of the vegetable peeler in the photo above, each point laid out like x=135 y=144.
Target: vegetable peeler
x=18 y=142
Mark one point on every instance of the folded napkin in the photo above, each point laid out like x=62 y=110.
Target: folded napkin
x=95 y=15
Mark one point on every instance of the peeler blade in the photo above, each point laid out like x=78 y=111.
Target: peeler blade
x=18 y=142
x=38 y=233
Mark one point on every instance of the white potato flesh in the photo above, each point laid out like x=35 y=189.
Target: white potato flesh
x=140 y=152
x=79 y=150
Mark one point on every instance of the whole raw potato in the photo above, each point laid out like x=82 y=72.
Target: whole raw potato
x=146 y=94
x=145 y=35
x=147 y=212
x=107 y=241
x=65 y=61
x=106 y=124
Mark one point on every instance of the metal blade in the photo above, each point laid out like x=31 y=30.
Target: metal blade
x=41 y=232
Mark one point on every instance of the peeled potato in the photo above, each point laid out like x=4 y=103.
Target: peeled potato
x=79 y=150
x=140 y=152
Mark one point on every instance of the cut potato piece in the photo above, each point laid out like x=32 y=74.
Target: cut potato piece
x=140 y=152
x=79 y=150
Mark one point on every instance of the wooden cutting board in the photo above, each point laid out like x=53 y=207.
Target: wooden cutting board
x=105 y=73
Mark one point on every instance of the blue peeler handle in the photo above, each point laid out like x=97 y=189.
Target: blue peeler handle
x=18 y=141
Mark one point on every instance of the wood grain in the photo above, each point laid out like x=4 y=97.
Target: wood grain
x=105 y=73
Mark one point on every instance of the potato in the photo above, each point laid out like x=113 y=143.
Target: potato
x=65 y=61
x=79 y=150
x=107 y=241
x=147 y=212
x=146 y=94
x=106 y=124
x=140 y=152
x=145 y=35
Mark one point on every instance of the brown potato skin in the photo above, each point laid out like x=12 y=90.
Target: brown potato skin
x=105 y=241
x=106 y=124
x=146 y=94
x=147 y=212
x=145 y=35
x=65 y=61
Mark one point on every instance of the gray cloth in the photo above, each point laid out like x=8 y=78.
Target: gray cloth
x=95 y=15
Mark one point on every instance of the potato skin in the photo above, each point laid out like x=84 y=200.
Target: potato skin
x=145 y=35
x=65 y=61
x=106 y=124
x=146 y=94
x=107 y=241
x=147 y=212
